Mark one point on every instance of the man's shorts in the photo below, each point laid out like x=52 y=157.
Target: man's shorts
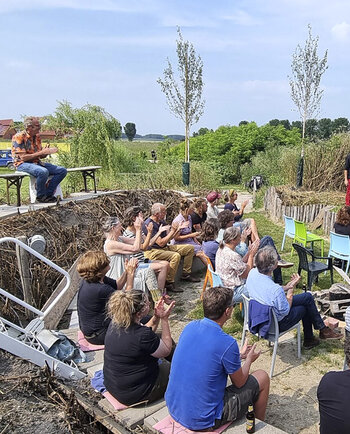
x=236 y=401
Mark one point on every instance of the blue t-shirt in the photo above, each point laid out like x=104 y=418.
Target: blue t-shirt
x=203 y=358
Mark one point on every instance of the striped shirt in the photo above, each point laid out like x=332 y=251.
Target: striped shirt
x=138 y=255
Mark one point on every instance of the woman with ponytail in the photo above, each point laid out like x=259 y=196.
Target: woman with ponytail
x=231 y=267
x=132 y=370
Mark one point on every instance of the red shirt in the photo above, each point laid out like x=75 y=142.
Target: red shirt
x=22 y=144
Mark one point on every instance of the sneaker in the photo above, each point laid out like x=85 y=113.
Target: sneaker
x=190 y=278
x=51 y=199
x=41 y=199
x=328 y=333
x=285 y=264
x=311 y=343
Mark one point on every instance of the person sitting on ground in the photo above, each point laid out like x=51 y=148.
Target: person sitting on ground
x=213 y=200
x=161 y=268
x=198 y=214
x=197 y=396
x=185 y=235
x=231 y=198
x=209 y=234
x=132 y=370
x=169 y=252
x=94 y=292
x=333 y=396
x=230 y=266
x=118 y=248
x=27 y=154
x=342 y=221
x=289 y=308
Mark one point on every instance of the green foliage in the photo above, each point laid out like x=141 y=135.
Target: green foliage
x=229 y=147
x=324 y=128
x=340 y=125
x=90 y=131
x=130 y=130
x=323 y=164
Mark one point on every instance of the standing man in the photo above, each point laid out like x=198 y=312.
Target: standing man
x=172 y=253
x=346 y=180
x=27 y=154
x=197 y=396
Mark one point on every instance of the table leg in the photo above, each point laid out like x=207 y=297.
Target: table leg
x=18 y=187
x=7 y=192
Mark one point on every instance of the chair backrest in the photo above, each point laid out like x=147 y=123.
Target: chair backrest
x=339 y=245
x=289 y=226
x=303 y=254
x=215 y=277
x=300 y=231
x=273 y=326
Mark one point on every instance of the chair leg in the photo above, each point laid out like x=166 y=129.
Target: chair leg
x=309 y=280
x=283 y=241
x=299 y=341
x=331 y=271
x=347 y=266
x=274 y=354
x=243 y=336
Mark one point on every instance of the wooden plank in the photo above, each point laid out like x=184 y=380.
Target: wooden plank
x=106 y=420
x=319 y=217
x=133 y=416
x=55 y=315
x=237 y=427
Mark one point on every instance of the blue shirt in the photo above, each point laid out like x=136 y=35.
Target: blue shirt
x=210 y=248
x=203 y=358
x=264 y=290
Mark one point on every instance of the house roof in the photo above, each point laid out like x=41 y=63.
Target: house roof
x=6 y=122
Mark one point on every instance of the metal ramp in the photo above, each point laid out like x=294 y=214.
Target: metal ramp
x=23 y=342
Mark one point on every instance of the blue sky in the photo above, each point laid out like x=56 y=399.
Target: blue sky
x=110 y=53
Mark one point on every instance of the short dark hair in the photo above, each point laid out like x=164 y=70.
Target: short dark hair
x=225 y=217
x=130 y=215
x=216 y=300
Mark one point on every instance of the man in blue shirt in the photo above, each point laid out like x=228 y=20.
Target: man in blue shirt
x=289 y=308
x=197 y=396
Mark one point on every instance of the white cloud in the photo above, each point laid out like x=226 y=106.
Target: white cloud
x=241 y=18
x=341 y=31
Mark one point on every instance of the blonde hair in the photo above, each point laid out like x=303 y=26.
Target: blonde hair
x=124 y=305
x=91 y=265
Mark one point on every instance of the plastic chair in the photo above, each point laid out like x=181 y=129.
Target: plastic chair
x=32 y=189
x=208 y=276
x=313 y=268
x=340 y=248
x=274 y=333
x=289 y=229
x=302 y=236
x=215 y=278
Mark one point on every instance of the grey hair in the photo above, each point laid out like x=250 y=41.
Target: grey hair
x=156 y=208
x=265 y=259
x=109 y=223
x=29 y=120
x=231 y=234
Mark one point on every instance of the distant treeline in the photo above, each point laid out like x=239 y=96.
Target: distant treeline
x=321 y=129
x=156 y=137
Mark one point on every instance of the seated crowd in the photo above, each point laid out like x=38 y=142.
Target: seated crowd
x=139 y=265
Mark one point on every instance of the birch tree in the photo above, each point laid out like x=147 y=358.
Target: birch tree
x=184 y=92
x=307 y=71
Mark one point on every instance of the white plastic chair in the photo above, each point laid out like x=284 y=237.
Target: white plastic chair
x=274 y=333
x=32 y=189
x=289 y=229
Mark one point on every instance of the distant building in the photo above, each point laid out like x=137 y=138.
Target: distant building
x=7 y=129
x=48 y=135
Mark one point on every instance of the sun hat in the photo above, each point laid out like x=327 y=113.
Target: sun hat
x=213 y=195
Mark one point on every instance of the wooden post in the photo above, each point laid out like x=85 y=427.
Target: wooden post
x=24 y=272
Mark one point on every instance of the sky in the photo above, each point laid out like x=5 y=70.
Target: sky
x=111 y=52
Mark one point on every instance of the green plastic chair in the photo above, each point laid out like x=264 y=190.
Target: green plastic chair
x=303 y=237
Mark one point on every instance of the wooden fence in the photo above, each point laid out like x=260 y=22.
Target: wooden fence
x=304 y=213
